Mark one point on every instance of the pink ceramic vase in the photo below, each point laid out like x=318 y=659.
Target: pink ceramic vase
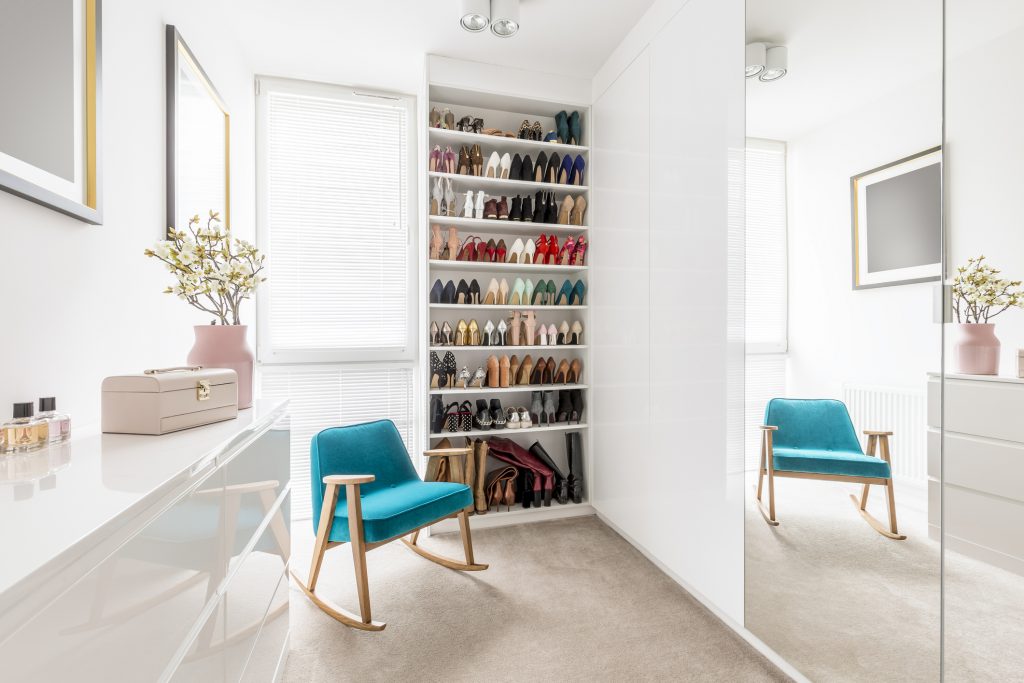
x=976 y=351
x=225 y=346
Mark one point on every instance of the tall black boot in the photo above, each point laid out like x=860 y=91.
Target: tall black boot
x=561 y=482
x=574 y=452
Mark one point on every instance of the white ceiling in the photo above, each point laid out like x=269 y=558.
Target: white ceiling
x=841 y=54
x=381 y=43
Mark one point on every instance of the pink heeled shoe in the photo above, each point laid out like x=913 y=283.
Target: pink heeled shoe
x=449 y=160
x=579 y=253
x=436 y=158
x=516 y=324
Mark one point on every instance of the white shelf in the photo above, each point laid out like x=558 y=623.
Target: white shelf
x=535 y=347
x=437 y=264
x=518 y=389
x=457 y=137
x=493 y=226
x=507 y=186
x=558 y=427
x=507 y=307
x=517 y=515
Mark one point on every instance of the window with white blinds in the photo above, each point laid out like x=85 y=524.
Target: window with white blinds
x=335 y=188
x=330 y=396
x=334 y=178
x=766 y=264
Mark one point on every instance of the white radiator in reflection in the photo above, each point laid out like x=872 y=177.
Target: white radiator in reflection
x=901 y=411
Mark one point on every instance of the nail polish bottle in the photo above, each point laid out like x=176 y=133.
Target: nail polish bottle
x=24 y=432
x=58 y=424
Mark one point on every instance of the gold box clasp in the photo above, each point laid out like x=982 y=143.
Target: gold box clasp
x=203 y=389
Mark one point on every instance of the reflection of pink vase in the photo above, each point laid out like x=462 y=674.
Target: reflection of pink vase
x=225 y=346
x=976 y=351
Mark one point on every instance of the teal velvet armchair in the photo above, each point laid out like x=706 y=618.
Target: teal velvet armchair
x=815 y=439
x=366 y=492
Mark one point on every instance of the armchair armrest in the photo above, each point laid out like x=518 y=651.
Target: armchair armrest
x=871 y=432
x=769 y=428
x=348 y=479
x=444 y=452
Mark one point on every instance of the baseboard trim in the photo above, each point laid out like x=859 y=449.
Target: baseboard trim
x=768 y=653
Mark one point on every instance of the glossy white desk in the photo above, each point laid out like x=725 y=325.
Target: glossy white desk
x=148 y=558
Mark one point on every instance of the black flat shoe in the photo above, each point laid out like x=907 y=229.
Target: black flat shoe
x=526 y=172
x=448 y=295
x=538 y=168
x=515 y=171
x=462 y=293
x=435 y=292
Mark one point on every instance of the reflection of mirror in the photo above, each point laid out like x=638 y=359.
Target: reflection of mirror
x=843 y=593
x=48 y=121
x=198 y=139
x=982 y=433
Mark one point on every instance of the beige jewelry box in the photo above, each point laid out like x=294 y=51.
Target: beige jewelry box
x=169 y=400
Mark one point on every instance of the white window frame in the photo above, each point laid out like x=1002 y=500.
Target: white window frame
x=781 y=348
x=265 y=353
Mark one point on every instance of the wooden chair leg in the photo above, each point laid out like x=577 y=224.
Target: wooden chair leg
x=766 y=467
x=355 y=532
x=323 y=533
x=892 y=532
x=467 y=538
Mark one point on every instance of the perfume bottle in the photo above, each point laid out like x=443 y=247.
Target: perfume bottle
x=25 y=432
x=59 y=424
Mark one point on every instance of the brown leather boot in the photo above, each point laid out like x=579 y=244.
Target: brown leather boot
x=491 y=209
x=502 y=209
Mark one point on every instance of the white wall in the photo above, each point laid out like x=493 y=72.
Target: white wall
x=884 y=336
x=82 y=301
x=663 y=134
x=984 y=148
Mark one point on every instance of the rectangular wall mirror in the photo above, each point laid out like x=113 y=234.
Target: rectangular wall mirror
x=49 y=119
x=198 y=140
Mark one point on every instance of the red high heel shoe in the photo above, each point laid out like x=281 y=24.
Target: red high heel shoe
x=499 y=252
x=565 y=255
x=541 y=256
x=467 y=251
x=489 y=250
x=579 y=254
x=481 y=251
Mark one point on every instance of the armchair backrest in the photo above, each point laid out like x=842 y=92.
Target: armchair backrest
x=372 y=448
x=822 y=424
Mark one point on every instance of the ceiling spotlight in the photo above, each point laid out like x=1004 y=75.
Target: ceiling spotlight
x=505 y=17
x=776 y=64
x=756 y=58
x=475 y=15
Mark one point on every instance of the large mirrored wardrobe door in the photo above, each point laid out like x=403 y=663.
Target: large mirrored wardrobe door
x=982 y=456
x=843 y=342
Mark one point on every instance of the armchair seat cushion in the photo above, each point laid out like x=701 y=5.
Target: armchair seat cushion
x=401 y=507
x=843 y=463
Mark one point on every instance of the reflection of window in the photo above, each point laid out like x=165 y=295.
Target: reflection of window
x=766 y=285
x=336 y=319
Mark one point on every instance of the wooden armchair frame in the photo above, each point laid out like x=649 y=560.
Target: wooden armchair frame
x=360 y=547
x=767 y=470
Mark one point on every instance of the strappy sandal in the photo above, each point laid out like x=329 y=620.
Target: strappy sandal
x=451 y=417
x=466 y=416
x=525 y=132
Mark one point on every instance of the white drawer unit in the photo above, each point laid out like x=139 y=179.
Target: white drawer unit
x=981 y=467
x=171 y=552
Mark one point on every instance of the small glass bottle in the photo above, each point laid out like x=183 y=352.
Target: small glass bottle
x=24 y=433
x=59 y=424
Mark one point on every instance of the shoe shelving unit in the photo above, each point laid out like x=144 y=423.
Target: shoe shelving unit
x=505 y=113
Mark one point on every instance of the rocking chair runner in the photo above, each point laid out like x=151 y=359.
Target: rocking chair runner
x=367 y=493
x=815 y=439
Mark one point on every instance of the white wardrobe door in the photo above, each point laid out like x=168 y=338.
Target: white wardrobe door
x=624 y=465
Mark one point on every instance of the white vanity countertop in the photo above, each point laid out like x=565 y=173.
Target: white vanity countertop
x=57 y=503
x=979 y=378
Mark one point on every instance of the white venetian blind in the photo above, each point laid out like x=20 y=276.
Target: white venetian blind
x=766 y=264
x=331 y=396
x=337 y=221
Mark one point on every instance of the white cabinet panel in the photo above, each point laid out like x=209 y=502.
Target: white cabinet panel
x=272 y=641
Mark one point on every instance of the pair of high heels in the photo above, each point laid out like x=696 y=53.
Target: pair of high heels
x=528 y=132
x=442 y=161
x=571 y=210
x=468 y=334
x=442 y=198
x=569 y=128
x=446 y=119
x=527 y=372
x=569 y=409
x=449 y=293
x=441 y=249
x=442 y=370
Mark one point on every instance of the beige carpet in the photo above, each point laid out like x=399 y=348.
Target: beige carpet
x=563 y=601
x=842 y=603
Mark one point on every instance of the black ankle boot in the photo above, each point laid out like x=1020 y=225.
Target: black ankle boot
x=550 y=209
x=538 y=207
x=564 y=411
x=527 y=210
x=436 y=414
x=574 y=452
x=561 y=491
x=516 y=214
